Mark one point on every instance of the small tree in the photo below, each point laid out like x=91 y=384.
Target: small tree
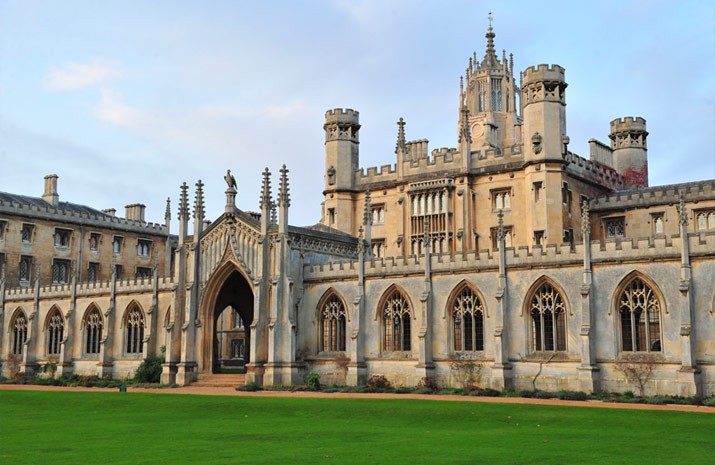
x=150 y=369
x=637 y=369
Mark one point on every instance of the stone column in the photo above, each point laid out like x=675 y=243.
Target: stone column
x=588 y=370
x=500 y=370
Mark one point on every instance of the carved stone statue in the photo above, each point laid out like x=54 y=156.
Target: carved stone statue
x=230 y=180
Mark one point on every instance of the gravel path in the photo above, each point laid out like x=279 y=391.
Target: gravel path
x=228 y=391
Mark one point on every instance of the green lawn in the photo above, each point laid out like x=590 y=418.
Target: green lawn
x=111 y=427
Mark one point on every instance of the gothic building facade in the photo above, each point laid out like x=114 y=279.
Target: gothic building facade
x=546 y=269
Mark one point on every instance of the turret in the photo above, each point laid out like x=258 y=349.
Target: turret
x=341 y=148
x=341 y=162
x=544 y=112
x=630 y=152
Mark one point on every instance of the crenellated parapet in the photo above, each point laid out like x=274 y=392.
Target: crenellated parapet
x=660 y=195
x=593 y=171
x=342 y=124
x=99 y=288
x=60 y=214
x=544 y=83
x=648 y=249
x=628 y=132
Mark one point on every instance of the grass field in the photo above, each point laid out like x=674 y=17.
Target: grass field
x=98 y=427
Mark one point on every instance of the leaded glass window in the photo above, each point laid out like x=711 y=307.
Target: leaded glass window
x=396 y=323
x=548 y=320
x=639 y=308
x=332 y=325
x=135 y=331
x=55 y=328
x=93 y=331
x=468 y=322
x=19 y=333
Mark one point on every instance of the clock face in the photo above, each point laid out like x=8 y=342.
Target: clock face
x=478 y=131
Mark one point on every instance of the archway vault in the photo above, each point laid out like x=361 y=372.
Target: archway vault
x=229 y=286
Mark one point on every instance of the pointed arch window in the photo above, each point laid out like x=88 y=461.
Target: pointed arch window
x=135 y=331
x=467 y=322
x=396 y=316
x=93 y=326
x=55 y=330
x=639 y=308
x=548 y=320
x=19 y=333
x=332 y=325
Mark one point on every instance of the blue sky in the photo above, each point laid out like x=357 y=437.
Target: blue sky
x=126 y=100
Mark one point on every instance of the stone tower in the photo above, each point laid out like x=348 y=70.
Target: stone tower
x=630 y=152
x=544 y=113
x=341 y=162
x=489 y=98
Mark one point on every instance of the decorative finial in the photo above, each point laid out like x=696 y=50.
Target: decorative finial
x=266 y=190
x=427 y=234
x=274 y=213
x=167 y=212
x=367 y=216
x=491 y=18
x=500 y=217
x=465 y=134
x=184 y=202
x=682 y=212
x=585 y=219
x=361 y=241
x=284 y=193
x=199 y=201
x=401 y=143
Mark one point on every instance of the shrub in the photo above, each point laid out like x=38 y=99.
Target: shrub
x=423 y=391
x=428 y=382
x=403 y=390
x=485 y=392
x=544 y=395
x=710 y=402
x=312 y=379
x=249 y=387
x=572 y=395
x=150 y=370
x=378 y=383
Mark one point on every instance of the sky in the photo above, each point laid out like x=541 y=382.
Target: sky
x=125 y=100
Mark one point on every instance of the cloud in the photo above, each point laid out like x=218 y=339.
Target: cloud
x=113 y=110
x=73 y=76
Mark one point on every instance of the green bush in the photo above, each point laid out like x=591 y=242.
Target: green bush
x=312 y=380
x=486 y=392
x=572 y=395
x=249 y=387
x=710 y=402
x=403 y=390
x=150 y=370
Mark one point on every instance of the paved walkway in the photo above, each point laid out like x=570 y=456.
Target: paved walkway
x=228 y=391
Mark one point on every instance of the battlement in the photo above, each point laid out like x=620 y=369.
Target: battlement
x=594 y=171
x=342 y=115
x=628 y=124
x=544 y=72
x=658 y=195
x=124 y=286
x=663 y=249
x=99 y=220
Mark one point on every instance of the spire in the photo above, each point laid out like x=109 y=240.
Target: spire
x=266 y=191
x=401 y=147
x=585 y=220
x=283 y=191
x=490 y=57
x=199 y=210
x=184 y=203
x=167 y=212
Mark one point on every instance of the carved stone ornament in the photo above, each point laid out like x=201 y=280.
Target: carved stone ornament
x=331 y=175
x=536 y=141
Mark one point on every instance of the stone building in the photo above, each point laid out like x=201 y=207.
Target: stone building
x=546 y=269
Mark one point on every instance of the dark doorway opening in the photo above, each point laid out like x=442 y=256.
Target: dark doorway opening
x=233 y=315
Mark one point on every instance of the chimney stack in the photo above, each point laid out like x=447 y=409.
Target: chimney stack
x=50 y=195
x=135 y=212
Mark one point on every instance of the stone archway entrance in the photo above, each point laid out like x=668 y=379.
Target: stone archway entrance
x=227 y=336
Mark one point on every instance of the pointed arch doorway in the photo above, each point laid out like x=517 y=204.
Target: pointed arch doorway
x=228 y=314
